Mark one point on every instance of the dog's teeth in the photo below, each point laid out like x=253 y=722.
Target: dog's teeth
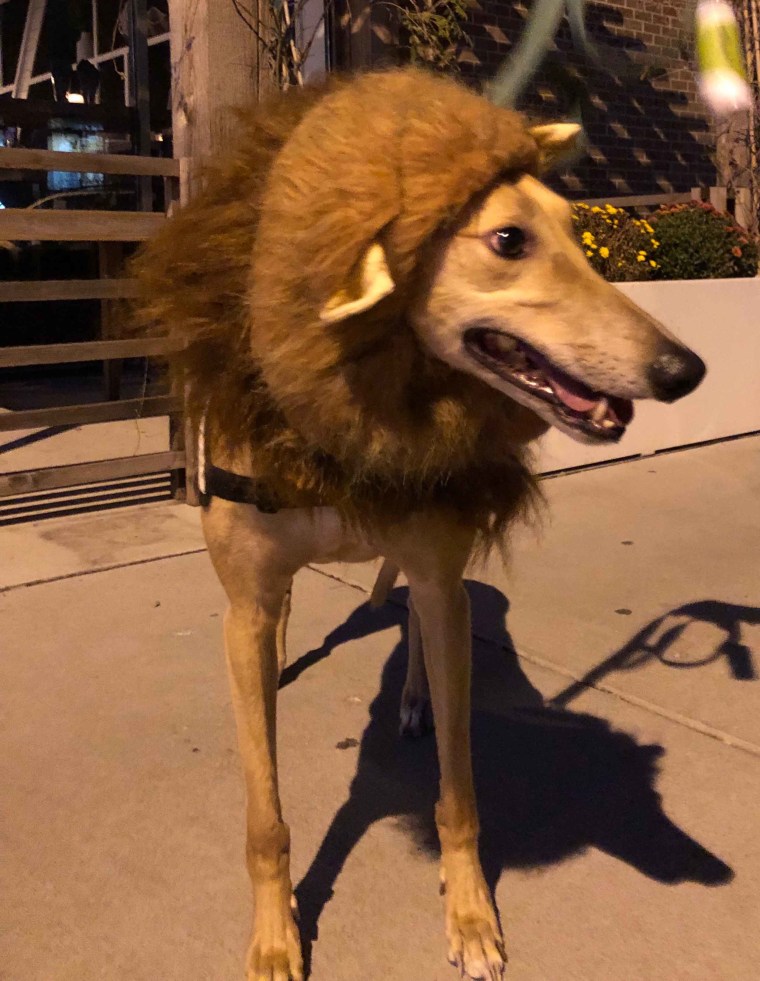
x=608 y=423
x=600 y=410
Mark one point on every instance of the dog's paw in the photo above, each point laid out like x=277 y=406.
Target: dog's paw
x=476 y=946
x=416 y=717
x=275 y=951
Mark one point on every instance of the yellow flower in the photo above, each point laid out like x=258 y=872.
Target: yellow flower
x=587 y=238
x=604 y=252
x=596 y=210
x=641 y=258
x=653 y=264
x=611 y=209
x=655 y=244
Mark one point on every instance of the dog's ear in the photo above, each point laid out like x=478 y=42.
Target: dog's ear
x=370 y=282
x=557 y=142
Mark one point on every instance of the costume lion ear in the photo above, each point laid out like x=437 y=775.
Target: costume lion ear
x=370 y=282
x=557 y=141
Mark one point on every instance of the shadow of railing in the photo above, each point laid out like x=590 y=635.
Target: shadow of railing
x=660 y=640
x=550 y=783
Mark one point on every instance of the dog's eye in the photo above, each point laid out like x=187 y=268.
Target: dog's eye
x=509 y=243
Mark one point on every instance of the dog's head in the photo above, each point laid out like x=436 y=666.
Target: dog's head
x=508 y=296
x=406 y=204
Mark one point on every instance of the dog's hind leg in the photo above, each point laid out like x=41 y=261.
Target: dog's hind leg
x=282 y=630
x=416 y=712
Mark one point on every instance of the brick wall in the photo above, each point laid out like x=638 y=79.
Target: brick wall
x=648 y=135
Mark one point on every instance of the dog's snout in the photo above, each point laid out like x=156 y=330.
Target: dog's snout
x=675 y=373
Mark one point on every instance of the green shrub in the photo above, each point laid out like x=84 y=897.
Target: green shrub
x=619 y=247
x=699 y=242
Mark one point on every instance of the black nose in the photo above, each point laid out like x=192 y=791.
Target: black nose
x=675 y=374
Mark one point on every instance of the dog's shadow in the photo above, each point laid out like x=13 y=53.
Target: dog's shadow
x=550 y=783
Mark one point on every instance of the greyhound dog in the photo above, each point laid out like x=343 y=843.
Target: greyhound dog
x=382 y=308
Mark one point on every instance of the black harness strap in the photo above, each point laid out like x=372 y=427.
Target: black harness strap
x=240 y=490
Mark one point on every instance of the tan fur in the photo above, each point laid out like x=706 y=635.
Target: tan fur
x=321 y=284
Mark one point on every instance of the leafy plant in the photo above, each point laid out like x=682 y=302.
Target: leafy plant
x=700 y=242
x=434 y=31
x=278 y=27
x=618 y=246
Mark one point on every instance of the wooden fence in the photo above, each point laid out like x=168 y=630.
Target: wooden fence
x=739 y=203
x=110 y=230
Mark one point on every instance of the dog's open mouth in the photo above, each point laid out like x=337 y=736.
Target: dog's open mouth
x=601 y=417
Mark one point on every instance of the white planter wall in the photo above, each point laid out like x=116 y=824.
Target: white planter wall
x=720 y=320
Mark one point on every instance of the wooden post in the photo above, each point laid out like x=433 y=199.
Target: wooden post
x=139 y=91
x=719 y=198
x=111 y=266
x=744 y=214
x=29 y=43
x=215 y=68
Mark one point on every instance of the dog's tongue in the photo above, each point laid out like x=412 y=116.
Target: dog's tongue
x=573 y=393
x=581 y=398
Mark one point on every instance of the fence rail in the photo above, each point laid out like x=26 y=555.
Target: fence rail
x=81 y=415
x=106 y=228
x=41 y=354
x=72 y=475
x=17 y=158
x=26 y=291
x=739 y=202
x=35 y=225
x=644 y=200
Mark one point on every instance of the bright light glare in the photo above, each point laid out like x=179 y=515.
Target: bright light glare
x=75 y=97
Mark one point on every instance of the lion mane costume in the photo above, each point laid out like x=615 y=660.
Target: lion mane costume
x=353 y=414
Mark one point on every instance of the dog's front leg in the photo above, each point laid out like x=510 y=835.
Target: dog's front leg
x=472 y=928
x=250 y=631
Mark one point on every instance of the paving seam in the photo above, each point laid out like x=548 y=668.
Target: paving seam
x=733 y=742
x=100 y=568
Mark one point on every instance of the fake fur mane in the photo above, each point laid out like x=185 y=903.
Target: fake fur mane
x=357 y=414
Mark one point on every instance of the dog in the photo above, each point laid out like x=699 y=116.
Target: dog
x=378 y=308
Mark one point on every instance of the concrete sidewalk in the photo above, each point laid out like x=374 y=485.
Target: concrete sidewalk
x=617 y=753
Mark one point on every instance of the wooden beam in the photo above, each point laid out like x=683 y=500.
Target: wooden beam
x=38 y=354
x=14 y=291
x=30 y=40
x=98 y=59
x=29 y=481
x=34 y=224
x=82 y=415
x=39 y=112
x=138 y=89
x=12 y=158
x=639 y=200
x=215 y=68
